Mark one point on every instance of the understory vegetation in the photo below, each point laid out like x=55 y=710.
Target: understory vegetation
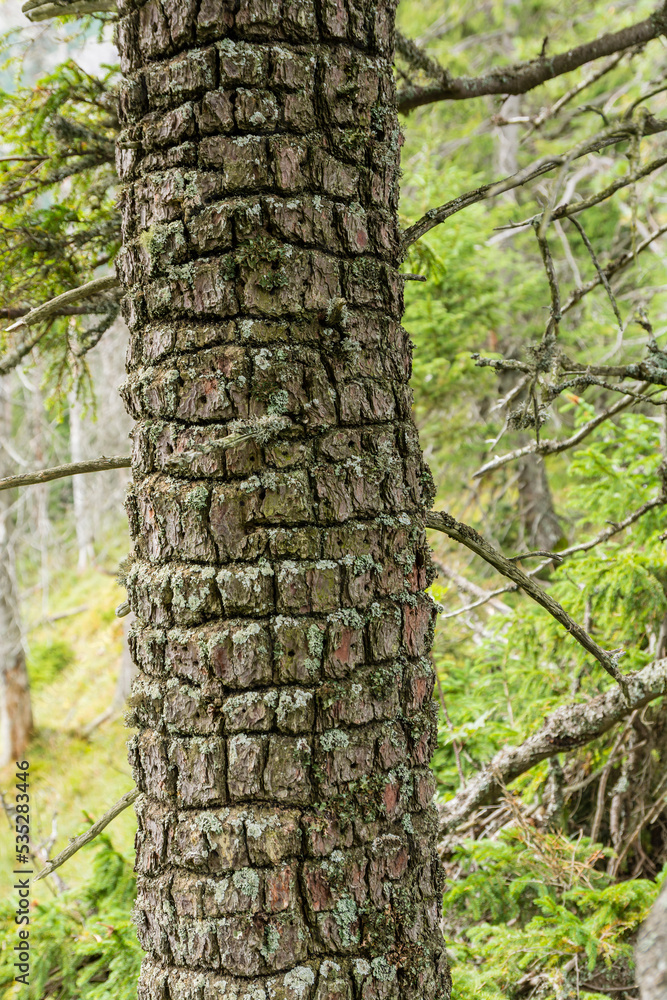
x=548 y=883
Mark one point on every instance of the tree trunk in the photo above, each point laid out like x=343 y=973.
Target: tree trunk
x=651 y=952
x=15 y=706
x=540 y=526
x=286 y=828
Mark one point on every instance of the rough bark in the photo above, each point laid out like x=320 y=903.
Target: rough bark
x=651 y=952
x=286 y=843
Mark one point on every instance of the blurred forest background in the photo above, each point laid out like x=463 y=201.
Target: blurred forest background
x=547 y=887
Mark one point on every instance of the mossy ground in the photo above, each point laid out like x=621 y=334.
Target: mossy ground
x=71 y=776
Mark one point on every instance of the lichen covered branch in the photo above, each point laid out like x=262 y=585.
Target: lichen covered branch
x=569 y=727
x=463 y=533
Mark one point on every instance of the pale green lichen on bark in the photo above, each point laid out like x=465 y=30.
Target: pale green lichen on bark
x=279 y=561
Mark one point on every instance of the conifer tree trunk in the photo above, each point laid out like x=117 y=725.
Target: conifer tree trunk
x=15 y=705
x=286 y=829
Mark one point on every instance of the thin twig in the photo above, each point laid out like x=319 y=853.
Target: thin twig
x=470 y=588
x=478 y=604
x=611 y=269
x=568 y=209
x=616 y=526
x=548 y=262
x=602 y=276
x=618 y=132
x=593 y=77
x=604 y=777
x=652 y=814
x=555 y=557
x=549 y=447
x=89 y=835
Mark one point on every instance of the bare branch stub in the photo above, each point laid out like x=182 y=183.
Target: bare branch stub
x=46 y=309
x=89 y=835
x=63 y=471
x=44 y=10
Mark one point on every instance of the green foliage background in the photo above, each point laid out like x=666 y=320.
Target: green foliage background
x=533 y=910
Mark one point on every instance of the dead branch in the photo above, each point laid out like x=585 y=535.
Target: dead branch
x=549 y=447
x=567 y=728
x=488 y=596
x=522 y=77
x=603 y=536
x=568 y=209
x=47 y=309
x=615 y=528
x=470 y=588
x=590 y=78
x=61 y=471
x=463 y=533
x=554 y=290
x=604 y=280
x=618 y=132
x=648 y=371
x=613 y=268
x=89 y=835
x=16 y=312
x=43 y=10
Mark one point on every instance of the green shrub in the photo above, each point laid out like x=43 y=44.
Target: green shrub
x=83 y=943
x=530 y=912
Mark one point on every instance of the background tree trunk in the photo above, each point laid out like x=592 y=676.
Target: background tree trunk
x=539 y=522
x=15 y=706
x=286 y=828
x=128 y=670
